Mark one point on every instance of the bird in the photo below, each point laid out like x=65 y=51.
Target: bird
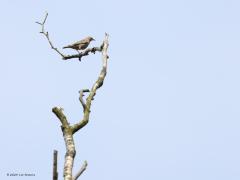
x=80 y=45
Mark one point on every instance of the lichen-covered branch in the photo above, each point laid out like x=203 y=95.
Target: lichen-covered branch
x=66 y=57
x=95 y=86
x=69 y=143
x=81 y=92
x=67 y=129
x=58 y=111
x=69 y=155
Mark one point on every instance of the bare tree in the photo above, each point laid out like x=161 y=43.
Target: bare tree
x=68 y=129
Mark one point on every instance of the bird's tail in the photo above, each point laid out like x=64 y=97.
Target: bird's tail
x=68 y=46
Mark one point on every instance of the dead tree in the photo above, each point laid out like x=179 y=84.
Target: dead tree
x=68 y=129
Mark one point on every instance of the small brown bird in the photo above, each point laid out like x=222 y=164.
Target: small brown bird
x=80 y=45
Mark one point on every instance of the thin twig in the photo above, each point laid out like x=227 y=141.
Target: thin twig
x=46 y=34
x=83 y=168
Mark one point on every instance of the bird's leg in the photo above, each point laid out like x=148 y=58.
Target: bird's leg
x=79 y=54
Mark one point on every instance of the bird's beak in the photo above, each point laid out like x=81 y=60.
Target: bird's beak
x=93 y=39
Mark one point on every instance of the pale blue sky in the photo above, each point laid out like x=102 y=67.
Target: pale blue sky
x=169 y=108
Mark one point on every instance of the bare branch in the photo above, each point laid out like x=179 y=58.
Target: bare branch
x=69 y=143
x=59 y=113
x=83 y=168
x=81 y=92
x=68 y=130
x=103 y=73
x=45 y=18
x=66 y=57
x=80 y=125
x=70 y=153
x=38 y=23
x=84 y=53
x=95 y=86
x=46 y=34
x=55 y=173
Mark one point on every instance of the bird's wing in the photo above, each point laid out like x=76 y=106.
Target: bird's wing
x=84 y=41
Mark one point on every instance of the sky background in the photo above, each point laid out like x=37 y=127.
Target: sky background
x=169 y=107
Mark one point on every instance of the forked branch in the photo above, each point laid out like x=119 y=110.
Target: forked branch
x=46 y=34
x=67 y=129
x=81 y=92
x=96 y=85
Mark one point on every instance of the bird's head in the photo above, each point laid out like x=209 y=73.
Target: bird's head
x=91 y=39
